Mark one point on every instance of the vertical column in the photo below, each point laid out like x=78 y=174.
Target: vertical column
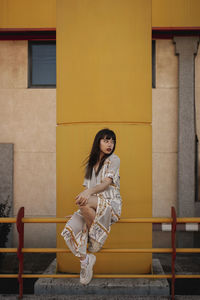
x=104 y=79
x=186 y=48
x=6 y=191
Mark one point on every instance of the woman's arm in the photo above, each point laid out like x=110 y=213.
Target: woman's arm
x=102 y=186
x=82 y=198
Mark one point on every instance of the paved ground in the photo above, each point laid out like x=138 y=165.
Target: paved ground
x=89 y=297
x=37 y=262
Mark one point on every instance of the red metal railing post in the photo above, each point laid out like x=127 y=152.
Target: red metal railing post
x=20 y=254
x=173 y=240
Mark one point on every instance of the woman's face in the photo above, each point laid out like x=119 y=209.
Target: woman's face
x=106 y=145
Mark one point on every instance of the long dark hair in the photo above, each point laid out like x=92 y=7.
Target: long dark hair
x=95 y=151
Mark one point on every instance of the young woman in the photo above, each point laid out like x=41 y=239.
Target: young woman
x=99 y=204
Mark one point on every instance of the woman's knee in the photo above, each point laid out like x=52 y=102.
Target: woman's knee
x=92 y=202
x=84 y=208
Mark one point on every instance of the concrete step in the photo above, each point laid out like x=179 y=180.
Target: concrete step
x=103 y=286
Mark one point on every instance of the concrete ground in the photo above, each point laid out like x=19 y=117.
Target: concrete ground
x=89 y=297
x=37 y=262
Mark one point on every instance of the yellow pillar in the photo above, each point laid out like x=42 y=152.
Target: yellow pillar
x=104 y=80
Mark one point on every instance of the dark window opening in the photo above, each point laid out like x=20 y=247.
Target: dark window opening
x=42 y=64
x=153 y=63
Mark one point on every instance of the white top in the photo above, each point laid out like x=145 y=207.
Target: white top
x=110 y=169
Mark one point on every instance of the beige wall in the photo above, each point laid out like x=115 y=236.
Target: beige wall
x=28 y=119
x=164 y=129
x=165 y=133
x=165 y=126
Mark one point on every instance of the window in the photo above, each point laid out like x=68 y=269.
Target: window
x=153 y=63
x=42 y=64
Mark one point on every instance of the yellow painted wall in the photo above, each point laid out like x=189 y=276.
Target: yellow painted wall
x=42 y=14
x=105 y=45
x=134 y=148
x=27 y=13
x=175 y=13
x=104 y=79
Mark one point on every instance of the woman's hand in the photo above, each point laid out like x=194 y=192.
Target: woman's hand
x=83 y=197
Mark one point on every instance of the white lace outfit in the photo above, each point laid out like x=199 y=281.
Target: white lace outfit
x=75 y=232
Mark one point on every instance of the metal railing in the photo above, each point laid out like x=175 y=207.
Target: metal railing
x=20 y=220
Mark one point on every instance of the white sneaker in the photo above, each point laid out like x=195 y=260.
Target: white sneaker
x=86 y=272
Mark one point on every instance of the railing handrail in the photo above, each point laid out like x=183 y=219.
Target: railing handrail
x=124 y=220
x=103 y=250
x=20 y=220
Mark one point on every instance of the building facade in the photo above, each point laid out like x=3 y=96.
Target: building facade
x=104 y=59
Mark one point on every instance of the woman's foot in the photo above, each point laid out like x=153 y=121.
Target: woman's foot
x=86 y=272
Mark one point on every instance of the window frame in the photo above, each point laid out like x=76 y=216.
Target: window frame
x=30 y=85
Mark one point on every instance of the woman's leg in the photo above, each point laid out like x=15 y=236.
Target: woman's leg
x=89 y=210
x=75 y=234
